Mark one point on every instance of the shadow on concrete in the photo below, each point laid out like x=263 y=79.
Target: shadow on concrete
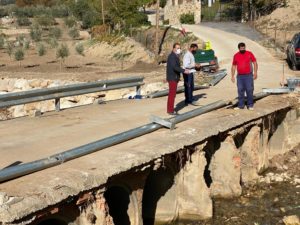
x=180 y=105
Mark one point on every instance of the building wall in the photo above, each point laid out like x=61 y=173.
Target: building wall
x=175 y=8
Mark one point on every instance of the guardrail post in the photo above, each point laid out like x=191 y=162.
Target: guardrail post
x=57 y=104
x=138 y=90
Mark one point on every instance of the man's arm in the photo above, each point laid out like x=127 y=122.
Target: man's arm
x=233 y=69
x=177 y=68
x=255 y=70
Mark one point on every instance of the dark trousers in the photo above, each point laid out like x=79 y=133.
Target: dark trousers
x=245 y=84
x=172 y=95
x=188 y=87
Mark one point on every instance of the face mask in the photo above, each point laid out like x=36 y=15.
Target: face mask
x=242 y=51
x=194 y=52
x=178 y=51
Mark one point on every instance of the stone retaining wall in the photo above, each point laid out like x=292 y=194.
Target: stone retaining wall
x=175 y=8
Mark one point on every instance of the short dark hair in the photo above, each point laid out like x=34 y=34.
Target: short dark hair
x=175 y=44
x=194 y=45
x=241 y=44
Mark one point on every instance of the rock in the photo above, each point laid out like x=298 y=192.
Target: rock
x=3 y=85
x=3 y=198
x=297 y=181
x=282 y=209
x=278 y=178
x=35 y=113
x=11 y=85
x=22 y=84
x=225 y=170
x=44 y=84
x=35 y=83
x=291 y=220
x=17 y=111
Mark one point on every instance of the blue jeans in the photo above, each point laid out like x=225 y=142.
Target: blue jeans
x=188 y=87
x=245 y=84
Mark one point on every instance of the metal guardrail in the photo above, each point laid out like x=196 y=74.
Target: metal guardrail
x=24 y=97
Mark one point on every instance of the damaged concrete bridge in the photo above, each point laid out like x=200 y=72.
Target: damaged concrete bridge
x=156 y=178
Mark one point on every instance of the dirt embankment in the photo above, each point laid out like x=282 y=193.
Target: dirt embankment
x=281 y=25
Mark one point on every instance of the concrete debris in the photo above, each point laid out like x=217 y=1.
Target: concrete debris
x=291 y=220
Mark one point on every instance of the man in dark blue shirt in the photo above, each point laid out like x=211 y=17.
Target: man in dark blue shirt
x=173 y=76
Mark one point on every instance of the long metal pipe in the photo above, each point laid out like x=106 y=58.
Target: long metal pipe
x=217 y=79
x=31 y=167
x=179 y=90
x=66 y=94
x=71 y=87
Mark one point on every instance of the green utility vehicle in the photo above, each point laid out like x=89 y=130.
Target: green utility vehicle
x=207 y=60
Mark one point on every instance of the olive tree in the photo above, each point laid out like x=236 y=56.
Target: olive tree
x=62 y=53
x=19 y=55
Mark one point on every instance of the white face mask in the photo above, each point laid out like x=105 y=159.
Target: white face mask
x=178 y=51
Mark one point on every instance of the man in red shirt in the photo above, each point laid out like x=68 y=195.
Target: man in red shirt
x=245 y=64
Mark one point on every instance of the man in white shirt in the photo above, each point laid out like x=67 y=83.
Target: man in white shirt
x=189 y=64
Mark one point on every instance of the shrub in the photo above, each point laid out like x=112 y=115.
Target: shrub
x=70 y=22
x=23 y=21
x=162 y=3
x=187 y=18
x=20 y=38
x=36 y=32
x=24 y=11
x=166 y=22
x=90 y=19
x=60 y=11
x=26 y=44
x=52 y=42
x=41 y=50
x=45 y=21
x=74 y=33
x=3 y=12
x=55 y=32
x=19 y=55
x=62 y=53
x=80 y=49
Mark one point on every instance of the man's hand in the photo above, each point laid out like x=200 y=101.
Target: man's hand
x=254 y=76
x=186 y=71
x=233 y=79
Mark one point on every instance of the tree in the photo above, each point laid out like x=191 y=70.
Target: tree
x=19 y=55
x=126 y=14
x=62 y=53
